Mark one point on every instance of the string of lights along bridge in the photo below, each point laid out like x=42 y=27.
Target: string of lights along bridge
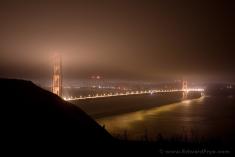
x=132 y=93
x=57 y=86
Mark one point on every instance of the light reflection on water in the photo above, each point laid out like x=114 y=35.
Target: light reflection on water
x=169 y=120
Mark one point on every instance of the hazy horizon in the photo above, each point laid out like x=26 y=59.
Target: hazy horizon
x=131 y=40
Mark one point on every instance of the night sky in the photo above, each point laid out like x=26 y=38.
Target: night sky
x=148 y=40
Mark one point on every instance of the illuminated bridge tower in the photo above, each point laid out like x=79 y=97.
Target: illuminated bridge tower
x=185 y=88
x=57 y=75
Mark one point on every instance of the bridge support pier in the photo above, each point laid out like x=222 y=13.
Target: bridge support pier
x=57 y=76
x=185 y=88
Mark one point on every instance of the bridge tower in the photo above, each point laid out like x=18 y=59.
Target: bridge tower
x=184 y=88
x=57 y=75
x=184 y=85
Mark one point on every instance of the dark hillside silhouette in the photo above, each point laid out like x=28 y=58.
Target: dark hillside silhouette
x=33 y=115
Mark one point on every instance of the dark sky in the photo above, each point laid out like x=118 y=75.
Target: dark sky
x=119 y=39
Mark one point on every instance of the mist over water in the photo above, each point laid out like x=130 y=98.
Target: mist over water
x=205 y=117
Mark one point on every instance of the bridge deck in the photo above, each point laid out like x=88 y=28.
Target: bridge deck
x=133 y=93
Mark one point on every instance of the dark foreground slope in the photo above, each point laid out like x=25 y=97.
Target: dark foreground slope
x=35 y=116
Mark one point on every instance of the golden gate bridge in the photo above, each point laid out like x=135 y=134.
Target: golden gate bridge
x=57 y=86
